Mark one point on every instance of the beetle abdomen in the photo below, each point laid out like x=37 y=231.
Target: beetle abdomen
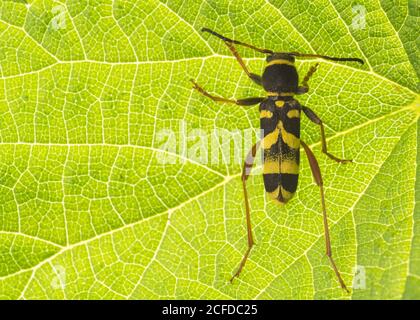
x=280 y=124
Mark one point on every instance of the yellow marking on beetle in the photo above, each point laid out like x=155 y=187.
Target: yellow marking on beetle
x=280 y=94
x=293 y=113
x=289 y=166
x=286 y=194
x=270 y=139
x=280 y=61
x=291 y=140
x=279 y=203
x=284 y=166
x=274 y=194
x=266 y=114
x=279 y=103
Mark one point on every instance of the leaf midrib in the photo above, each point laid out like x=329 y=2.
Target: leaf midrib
x=134 y=63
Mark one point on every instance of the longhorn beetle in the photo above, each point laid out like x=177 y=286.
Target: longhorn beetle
x=280 y=124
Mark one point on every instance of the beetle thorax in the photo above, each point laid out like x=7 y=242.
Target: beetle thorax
x=280 y=77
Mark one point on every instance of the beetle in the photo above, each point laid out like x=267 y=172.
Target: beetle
x=280 y=126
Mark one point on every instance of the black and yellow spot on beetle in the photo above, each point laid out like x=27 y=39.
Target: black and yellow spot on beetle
x=281 y=192
x=293 y=114
x=285 y=166
x=279 y=103
x=266 y=114
x=289 y=138
x=279 y=61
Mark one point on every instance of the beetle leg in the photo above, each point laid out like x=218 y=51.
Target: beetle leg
x=240 y=102
x=316 y=172
x=254 y=77
x=230 y=44
x=315 y=119
x=246 y=171
x=304 y=88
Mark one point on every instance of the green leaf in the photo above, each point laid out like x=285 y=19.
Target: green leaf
x=88 y=209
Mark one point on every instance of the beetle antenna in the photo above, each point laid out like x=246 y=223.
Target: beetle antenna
x=265 y=51
x=308 y=55
x=268 y=51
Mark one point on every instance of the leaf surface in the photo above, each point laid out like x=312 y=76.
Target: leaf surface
x=88 y=210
